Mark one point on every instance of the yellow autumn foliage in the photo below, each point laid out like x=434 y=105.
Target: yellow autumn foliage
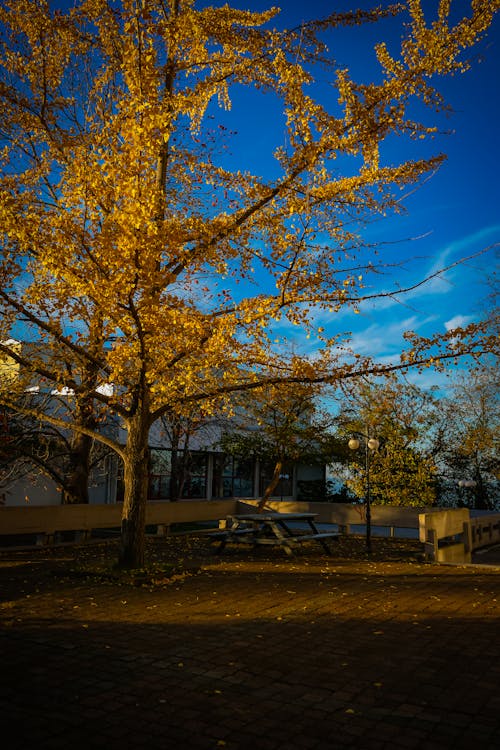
x=130 y=245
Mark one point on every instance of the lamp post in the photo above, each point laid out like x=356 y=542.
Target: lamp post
x=466 y=484
x=371 y=445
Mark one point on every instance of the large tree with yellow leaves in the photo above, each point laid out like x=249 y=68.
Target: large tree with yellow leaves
x=124 y=234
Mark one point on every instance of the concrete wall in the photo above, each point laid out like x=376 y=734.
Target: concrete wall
x=447 y=535
x=32 y=492
x=48 y=520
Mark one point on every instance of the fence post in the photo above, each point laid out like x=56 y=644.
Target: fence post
x=344 y=528
x=163 y=529
x=467 y=537
x=431 y=545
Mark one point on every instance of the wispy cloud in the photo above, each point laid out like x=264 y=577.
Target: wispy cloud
x=441 y=278
x=386 y=339
x=475 y=241
x=457 y=322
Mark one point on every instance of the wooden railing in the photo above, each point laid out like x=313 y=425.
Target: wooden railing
x=452 y=535
x=485 y=530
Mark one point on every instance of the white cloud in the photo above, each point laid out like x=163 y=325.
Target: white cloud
x=386 y=337
x=457 y=322
x=445 y=282
x=469 y=243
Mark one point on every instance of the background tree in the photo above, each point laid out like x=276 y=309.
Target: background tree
x=120 y=214
x=32 y=445
x=401 y=417
x=470 y=450
x=278 y=424
x=31 y=450
x=180 y=430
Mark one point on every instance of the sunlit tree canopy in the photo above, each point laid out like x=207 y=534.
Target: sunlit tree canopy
x=130 y=247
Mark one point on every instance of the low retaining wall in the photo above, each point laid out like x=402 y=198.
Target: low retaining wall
x=47 y=521
x=447 y=535
x=50 y=519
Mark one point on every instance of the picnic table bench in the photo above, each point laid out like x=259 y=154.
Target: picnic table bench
x=273 y=528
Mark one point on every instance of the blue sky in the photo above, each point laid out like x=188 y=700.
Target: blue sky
x=455 y=214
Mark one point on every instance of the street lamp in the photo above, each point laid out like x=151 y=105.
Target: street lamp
x=465 y=484
x=371 y=445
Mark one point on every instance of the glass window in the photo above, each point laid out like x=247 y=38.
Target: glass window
x=193 y=470
x=233 y=477
x=195 y=484
x=284 y=487
x=159 y=475
x=159 y=487
x=161 y=461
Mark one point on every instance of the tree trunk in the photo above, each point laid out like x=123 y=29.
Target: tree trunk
x=174 y=476
x=480 y=492
x=272 y=484
x=179 y=473
x=76 y=483
x=135 y=476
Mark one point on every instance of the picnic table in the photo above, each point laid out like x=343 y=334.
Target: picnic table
x=271 y=528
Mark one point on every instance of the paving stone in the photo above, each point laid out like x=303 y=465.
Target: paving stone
x=255 y=651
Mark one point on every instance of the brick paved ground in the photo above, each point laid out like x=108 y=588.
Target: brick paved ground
x=253 y=651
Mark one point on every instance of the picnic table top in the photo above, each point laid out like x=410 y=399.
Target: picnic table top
x=273 y=516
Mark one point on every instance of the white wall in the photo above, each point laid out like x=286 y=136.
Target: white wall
x=42 y=491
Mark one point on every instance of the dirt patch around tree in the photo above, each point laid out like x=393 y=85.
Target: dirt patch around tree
x=171 y=557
